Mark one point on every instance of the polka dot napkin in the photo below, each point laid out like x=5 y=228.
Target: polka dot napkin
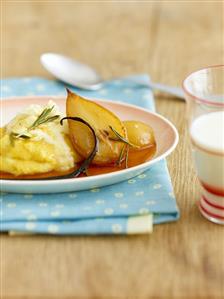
x=129 y=207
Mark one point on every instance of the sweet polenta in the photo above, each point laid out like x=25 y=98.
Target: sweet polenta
x=35 y=142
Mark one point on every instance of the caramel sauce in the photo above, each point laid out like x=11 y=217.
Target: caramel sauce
x=136 y=157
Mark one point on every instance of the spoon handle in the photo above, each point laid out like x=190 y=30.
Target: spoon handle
x=173 y=90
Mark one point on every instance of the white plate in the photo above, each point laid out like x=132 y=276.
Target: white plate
x=165 y=133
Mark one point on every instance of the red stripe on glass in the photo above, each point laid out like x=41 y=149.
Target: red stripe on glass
x=210 y=214
x=212 y=204
x=212 y=189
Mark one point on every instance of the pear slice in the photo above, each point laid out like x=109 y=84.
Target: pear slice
x=100 y=119
x=139 y=133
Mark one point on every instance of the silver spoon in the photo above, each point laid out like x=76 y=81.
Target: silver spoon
x=83 y=76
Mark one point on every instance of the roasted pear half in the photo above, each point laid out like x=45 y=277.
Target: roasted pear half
x=139 y=134
x=104 y=123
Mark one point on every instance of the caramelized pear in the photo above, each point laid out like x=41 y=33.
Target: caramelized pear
x=101 y=120
x=139 y=133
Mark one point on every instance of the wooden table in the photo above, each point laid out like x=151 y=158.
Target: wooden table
x=166 y=40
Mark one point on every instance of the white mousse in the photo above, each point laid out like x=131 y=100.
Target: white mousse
x=207 y=133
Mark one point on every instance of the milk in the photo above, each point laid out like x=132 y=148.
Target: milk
x=207 y=135
x=207 y=131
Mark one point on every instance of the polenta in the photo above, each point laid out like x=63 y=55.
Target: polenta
x=26 y=149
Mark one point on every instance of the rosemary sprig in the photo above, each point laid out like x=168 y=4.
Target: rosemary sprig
x=22 y=135
x=124 y=152
x=126 y=157
x=43 y=118
x=119 y=161
x=125 y=149
x=14 y=136
x=121 y=138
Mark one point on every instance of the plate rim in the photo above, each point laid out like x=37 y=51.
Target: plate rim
x=105 y=175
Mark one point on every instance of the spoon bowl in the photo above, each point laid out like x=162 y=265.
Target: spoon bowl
x=71 y=71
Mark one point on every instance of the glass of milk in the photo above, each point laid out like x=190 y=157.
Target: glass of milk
x=204 y=92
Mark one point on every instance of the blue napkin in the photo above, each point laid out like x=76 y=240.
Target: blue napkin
x=125 y=208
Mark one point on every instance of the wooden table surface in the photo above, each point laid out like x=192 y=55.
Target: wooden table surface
x=166 y=39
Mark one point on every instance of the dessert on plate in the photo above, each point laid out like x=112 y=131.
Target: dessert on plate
x=42 y=143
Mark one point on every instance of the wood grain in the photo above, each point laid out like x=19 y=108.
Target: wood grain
x=166 y=39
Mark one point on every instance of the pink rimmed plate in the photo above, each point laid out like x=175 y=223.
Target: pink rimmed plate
x=165 y=133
